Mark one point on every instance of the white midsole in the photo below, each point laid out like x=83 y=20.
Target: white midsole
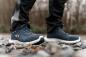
x=59 y=40
x=45 y=39
x=25 y=43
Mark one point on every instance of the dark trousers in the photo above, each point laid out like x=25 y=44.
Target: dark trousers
x=20 y=16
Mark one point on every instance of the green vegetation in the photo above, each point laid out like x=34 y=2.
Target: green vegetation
x=38 y=29
x=3 y=29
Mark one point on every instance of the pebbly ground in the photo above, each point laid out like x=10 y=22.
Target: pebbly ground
x=48 y=51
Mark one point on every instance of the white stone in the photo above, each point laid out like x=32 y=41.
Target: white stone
x=42 y=53
x=80 y=53
x=4 y=55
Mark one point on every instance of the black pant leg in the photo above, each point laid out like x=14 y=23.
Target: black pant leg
x=20 y=16
x=56 y=8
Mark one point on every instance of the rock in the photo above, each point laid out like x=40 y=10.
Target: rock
x=52 y=47
x=67 y=51
x=56 y=50
x=42 y=53
x=4 y=55
x=83 y=46
x=4 y=40
x=2 y=50
x=80 y=53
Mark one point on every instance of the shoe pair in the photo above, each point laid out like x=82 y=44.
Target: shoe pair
x=24 y=34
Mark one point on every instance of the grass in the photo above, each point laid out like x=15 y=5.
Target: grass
x=38 y=29
x=3 y=29
x=81 y=29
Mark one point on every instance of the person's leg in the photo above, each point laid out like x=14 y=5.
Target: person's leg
x=20 y=26
x=55 y=25
x=20 y=14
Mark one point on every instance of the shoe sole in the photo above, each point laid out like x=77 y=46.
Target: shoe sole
x=61 y=41
x=26 y=43
x=45 y=40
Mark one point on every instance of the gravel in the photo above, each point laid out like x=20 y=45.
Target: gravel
x=51 y=50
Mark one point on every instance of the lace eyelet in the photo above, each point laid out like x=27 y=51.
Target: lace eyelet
x=17 y=35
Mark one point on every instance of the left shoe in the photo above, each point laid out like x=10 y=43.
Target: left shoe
x=25 y=35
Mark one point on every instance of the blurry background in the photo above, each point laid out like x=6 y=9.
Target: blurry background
x=74 y=17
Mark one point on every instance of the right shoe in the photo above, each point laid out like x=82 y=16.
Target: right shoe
x=55 y=24
x=24 y=34
x=63 y=37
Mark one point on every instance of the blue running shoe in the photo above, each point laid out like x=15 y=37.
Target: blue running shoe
x=24 y=34
x=63 y=37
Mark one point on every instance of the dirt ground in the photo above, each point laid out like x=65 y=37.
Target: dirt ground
x=50 y=51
